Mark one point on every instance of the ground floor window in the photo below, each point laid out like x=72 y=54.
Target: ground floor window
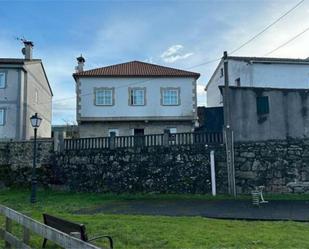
x=116 y=131
x=2 y=116
x=172 y=130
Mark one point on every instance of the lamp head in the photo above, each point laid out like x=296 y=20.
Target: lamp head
x=36 y=121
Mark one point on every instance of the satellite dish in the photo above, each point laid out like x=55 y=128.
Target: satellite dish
x=23 y=51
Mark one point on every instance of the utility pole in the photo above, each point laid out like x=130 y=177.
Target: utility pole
x=228 y=131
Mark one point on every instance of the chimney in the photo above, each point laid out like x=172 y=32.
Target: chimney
x=27 y=50
x=80 y=64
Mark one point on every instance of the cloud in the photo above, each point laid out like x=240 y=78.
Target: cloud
x=174 y=53
x=200 y=89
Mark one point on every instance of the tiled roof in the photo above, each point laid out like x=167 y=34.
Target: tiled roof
x=269 y=59
x=136 y=69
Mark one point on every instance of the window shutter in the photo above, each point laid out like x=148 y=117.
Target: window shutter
x=262 y=105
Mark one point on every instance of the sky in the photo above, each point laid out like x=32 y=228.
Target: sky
x=174 y=33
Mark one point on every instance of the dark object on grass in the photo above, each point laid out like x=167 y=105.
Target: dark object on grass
x=71 y=228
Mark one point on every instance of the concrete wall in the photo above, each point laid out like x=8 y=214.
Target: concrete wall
x=18 y=99
x=258 y=75
x=288 y=114
x=153 y=108
x=9 y=100
x=36 y=81
x=98 y=129
x=236 y=69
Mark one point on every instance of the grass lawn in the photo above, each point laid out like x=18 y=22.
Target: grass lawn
x=156 y=232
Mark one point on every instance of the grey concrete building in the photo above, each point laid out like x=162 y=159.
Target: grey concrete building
x=24 y=90
x=261 y=113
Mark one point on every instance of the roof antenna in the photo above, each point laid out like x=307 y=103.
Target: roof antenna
x=22 y=39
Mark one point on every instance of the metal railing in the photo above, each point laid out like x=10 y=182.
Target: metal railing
x=166 y=139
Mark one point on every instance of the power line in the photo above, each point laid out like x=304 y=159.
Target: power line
x=287 y=42
x=132 y=84
x=212 y=60
x=267 y=27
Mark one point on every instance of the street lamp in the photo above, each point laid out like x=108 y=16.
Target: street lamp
x=35 y=122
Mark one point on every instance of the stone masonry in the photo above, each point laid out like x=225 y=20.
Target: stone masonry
x=281 y=166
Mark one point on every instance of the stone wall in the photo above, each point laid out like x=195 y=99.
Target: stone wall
x=174 y=169
x=281 y=166
x=16 y=162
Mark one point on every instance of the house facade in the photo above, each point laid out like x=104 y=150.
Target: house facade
x=134 y=98
x=258 y=72
x=24 y=90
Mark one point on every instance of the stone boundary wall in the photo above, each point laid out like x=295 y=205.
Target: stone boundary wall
x=173 y=169
x=281 y=166
x=16 y=159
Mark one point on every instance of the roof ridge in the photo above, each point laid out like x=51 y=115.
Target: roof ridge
x=137 y=68
x=267 y=58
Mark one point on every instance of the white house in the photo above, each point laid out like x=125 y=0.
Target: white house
x=24 y=90
x=134 y=98
x=258 y=72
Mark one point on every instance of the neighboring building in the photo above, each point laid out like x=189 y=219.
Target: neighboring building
x=134 y=98
x=260 y=113
x=24 y=90
x=258 y=72
x=68 y=130
x=210 y=119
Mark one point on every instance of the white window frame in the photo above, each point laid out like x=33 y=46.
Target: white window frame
x=172 y=130
x=110 y=130
x=2 y=116
x=104 y=102
x=4 y=75
x=163 y=96
x=132 y=92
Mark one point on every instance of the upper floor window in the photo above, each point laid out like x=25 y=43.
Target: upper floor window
x=2 y=116
x=237 y=82
x=170 y=96
x=2 y=79
x=137 y=96
x=36 y=96
x=221 y=72
x=104 y=96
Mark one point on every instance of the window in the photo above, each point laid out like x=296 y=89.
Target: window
x=2 y=79
x=221 y=72
x=237 y=82
x=170 y=96
x=2 y=116
x=113 y=130
x=262 y=105
x=137 y=96
x=173 y=130
x=104 y=96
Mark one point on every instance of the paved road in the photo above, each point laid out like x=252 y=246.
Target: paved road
x=223 y=209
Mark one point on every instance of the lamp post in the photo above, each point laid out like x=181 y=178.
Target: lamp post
x=35 y=122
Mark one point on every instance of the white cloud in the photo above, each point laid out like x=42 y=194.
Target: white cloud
x=174 y=53
x=200 y=89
